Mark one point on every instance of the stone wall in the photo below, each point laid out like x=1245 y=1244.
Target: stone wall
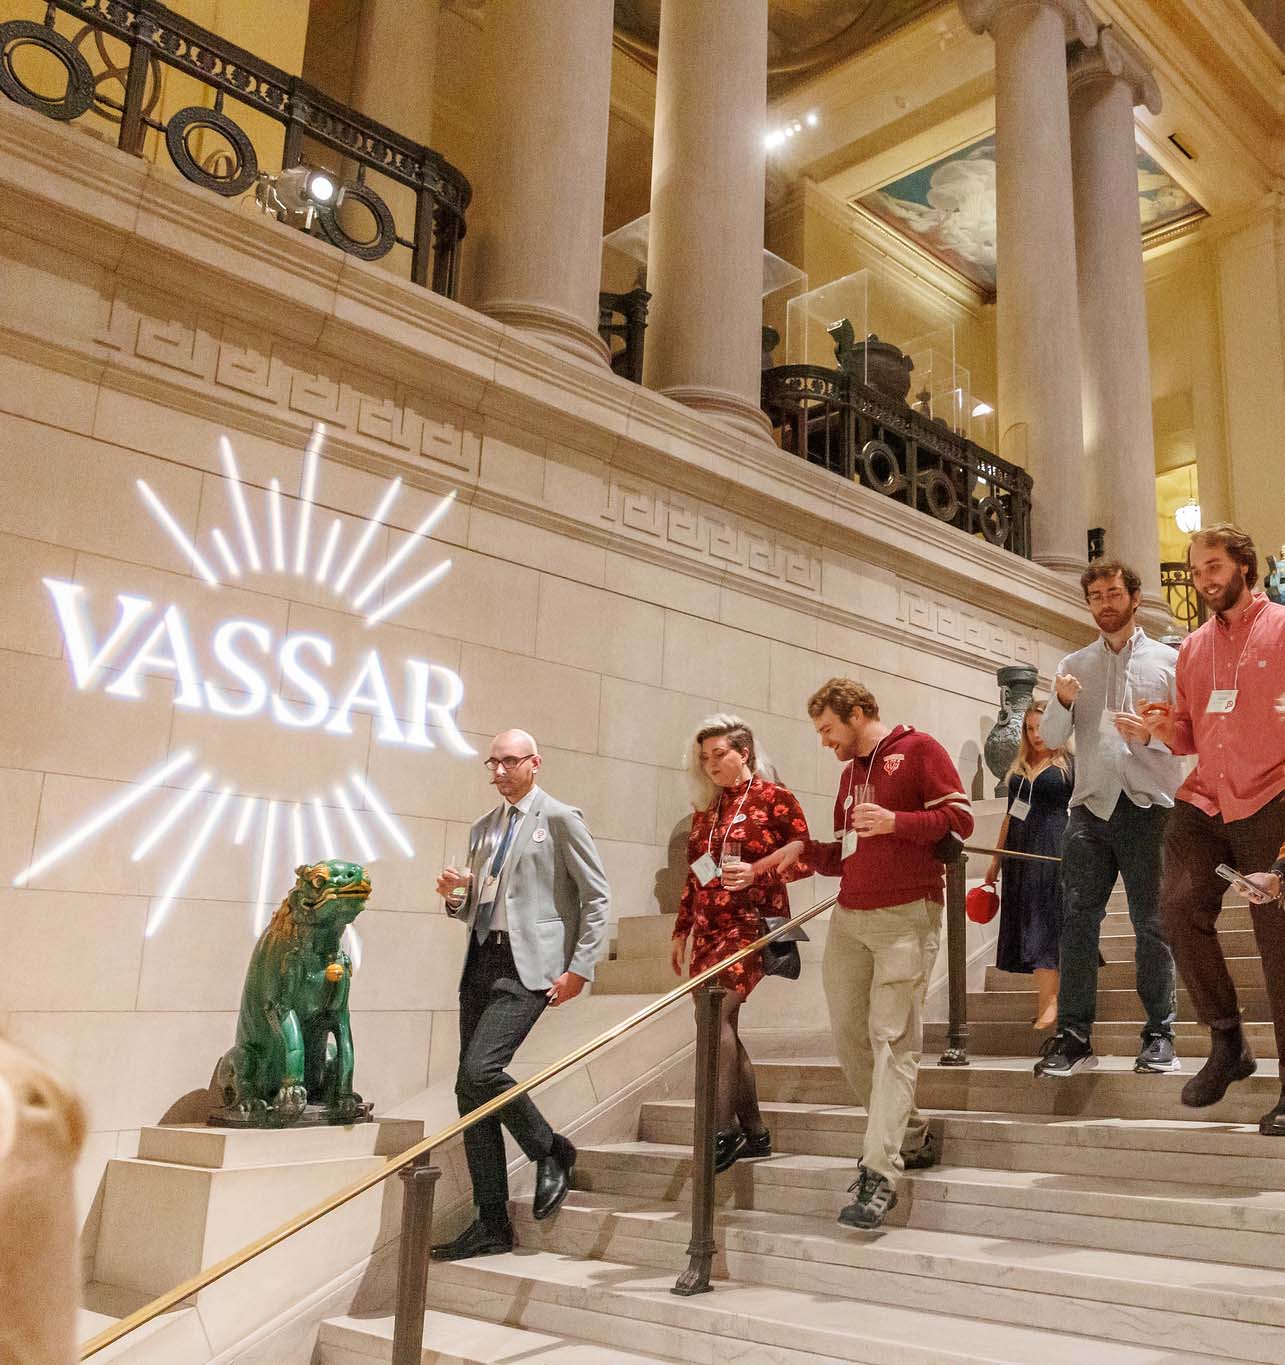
x=620 y=567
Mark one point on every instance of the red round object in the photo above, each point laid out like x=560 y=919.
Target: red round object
x=982 y=903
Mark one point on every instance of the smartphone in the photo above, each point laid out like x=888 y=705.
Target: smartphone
x=1253 y=894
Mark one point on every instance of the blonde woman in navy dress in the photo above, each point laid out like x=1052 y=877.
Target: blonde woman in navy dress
x=1030 y=916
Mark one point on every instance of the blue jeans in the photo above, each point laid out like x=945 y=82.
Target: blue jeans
x=1094 y=852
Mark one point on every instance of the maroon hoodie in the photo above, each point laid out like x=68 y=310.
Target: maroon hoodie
x=914 y=776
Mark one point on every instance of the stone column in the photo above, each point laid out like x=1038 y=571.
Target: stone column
x=1037 y=331
x=1251 y=305
x=705 y=249
x=1209 y=420
x=1106 y=81
x=536 y=243
x=392 y=82
x=393 y=65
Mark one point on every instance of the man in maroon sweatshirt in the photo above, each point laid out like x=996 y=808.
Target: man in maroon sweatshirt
x=899 y=803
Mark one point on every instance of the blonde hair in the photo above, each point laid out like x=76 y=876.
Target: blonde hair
x=1022 y=765
x=723 y=725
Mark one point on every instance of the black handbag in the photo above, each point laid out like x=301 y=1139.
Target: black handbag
x=781 y=956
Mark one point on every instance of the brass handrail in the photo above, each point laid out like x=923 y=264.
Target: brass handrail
x=172 y=1298
x=1012 y=853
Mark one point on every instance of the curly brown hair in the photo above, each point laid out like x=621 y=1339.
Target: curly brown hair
x=1109 y=568
x=843 y=696
x=1237 y=544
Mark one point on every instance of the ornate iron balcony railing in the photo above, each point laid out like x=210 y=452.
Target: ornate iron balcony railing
x=829 y=418
x=155 y=36
x=1185 y=604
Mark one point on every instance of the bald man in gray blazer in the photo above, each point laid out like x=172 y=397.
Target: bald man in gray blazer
x=535 y=899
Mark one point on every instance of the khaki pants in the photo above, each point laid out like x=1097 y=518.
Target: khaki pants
x=875 y=974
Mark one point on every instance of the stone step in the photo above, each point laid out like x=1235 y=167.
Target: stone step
x=1117 y=1003
x=1111 y=1038
x=452 y=1339
x=1234 y=915
x=1197 y=1221
x=1188 y=1151
x=614 y=1301
x=1006 y=1085
x=1119 y=947
x=1148 y=1300
x=1244 y=971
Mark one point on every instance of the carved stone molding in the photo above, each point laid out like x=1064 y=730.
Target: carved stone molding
x=985 y=637
x=231 y=363
x=692 y=529
x=1115 y=57
x=1077 y=17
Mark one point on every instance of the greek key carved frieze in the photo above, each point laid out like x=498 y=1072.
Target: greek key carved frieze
x=225 y=358
x=703 y=531
x=988 y=638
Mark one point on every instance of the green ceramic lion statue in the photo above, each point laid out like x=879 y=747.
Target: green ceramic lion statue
x=292 y=1062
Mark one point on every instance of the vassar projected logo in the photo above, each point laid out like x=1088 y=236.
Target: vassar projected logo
x=412 y=702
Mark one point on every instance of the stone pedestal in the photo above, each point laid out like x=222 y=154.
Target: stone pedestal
x=705 y=250
x=1038 y=346
x=1106 y=81
x=535 y=236
x=195 y=1195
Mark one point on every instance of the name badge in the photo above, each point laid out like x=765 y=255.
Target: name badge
x=736 y=819
x=489 y=887
x=1221 y=700
x=705 y=869
x=1020 y=809
x=849 y=843
x=847 y=802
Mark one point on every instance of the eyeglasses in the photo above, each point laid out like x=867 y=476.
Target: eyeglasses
x=508 y=763
x=1096 y=599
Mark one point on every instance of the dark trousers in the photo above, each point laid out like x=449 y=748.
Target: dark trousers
x=1094 y=853
x=496 y=1014
x=1195 y=844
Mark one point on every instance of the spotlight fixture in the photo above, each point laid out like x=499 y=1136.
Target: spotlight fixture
x=295 y=195
x=981 y=409
x=1188 y=517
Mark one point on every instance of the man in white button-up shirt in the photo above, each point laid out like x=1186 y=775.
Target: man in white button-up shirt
x=1124 y=786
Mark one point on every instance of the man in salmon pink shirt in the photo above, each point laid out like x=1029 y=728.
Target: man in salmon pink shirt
x=899 y=806
x=1230 y=808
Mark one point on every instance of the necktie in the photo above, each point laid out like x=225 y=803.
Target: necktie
x=482 y=924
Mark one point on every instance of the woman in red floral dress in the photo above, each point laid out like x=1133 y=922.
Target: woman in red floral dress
x=722 y=908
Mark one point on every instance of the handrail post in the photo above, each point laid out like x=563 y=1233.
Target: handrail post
x=956 y=1053
x=695 y=1279
x=419 y=1180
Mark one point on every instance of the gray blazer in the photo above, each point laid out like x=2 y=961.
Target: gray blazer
x=555 y=891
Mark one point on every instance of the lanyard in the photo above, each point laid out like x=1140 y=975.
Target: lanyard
x=1244 y=649
x=709 y=843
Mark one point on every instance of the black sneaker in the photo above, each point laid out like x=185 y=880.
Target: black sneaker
x=875 y=1200
x=925 y=1156
x=1064 y=1055
x=1156 y=1055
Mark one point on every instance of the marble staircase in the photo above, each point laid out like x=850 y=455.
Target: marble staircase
x=1088 y=1219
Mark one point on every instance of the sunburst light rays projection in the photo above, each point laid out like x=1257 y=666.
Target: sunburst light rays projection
x=237 y=494
x=161 y=908
x=406 y=548
x=177 y=533
x=306 y=494
x=275 y=524
x=383 y=816
x=373 y=523
x=102 y=818
x=170 y=817
x=328 y=551
x=266 y=849
x=323 y=828
x=225 y=552
x=368 y=853
x=243 y=820
x=420 y=585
